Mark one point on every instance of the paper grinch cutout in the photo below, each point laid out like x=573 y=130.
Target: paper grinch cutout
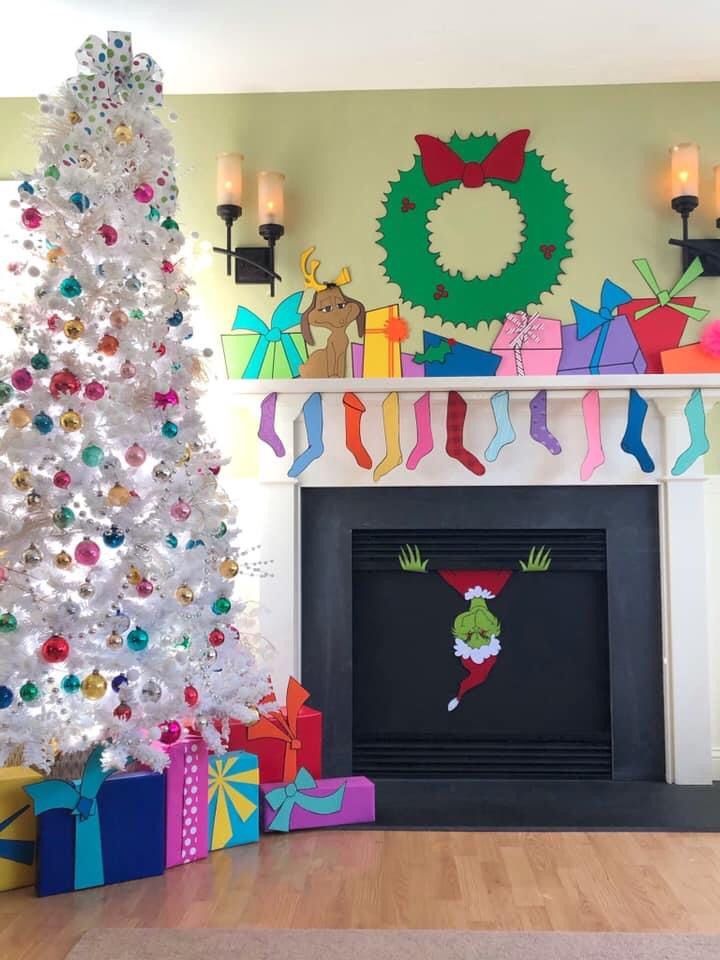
x=332 y=309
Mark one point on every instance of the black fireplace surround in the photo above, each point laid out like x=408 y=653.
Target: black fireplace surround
x=568 y=729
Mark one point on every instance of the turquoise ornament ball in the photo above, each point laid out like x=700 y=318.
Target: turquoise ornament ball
x=70 y=683
x=170 y=429
x=70 y=287
x=92 y=456
x=137 y=639
x=221 y=606
x=42 y=423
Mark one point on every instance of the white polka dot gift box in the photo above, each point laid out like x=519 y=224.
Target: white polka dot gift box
x=186 y=809
x=234 y=799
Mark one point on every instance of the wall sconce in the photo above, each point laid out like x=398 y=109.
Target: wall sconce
x=685 y=175
x=252 y=264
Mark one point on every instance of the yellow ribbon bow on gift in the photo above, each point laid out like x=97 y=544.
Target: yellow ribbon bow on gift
x=229 y=791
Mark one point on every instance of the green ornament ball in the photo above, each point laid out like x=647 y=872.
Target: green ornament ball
x=221 y=530
x=154 y=214
x=8 y=623
x=221 y=606
x=92 y=456
x=170 y=429
x=170 y=224
x=63 y=518
x=29 y=691
x=70 y=683
x=184 y=644
x=6 y=392
x=52 y=172
x=137 y=639
x=40 y=361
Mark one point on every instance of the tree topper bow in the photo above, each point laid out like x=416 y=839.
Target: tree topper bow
x=110 y=72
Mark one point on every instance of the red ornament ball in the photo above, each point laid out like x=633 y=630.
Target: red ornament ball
x=171 y=732
x=62 y=479
x=122 y=711
x=109 y=234
x=31 y=218
x=22 y=379
x=63 y=383
x=167 y=266
x=216 y=638
x=55 y=649
x=108 y=345
x=191 y=696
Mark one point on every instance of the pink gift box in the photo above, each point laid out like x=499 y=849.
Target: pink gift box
x=306 y=803
x=186 y=802
x=528 y=345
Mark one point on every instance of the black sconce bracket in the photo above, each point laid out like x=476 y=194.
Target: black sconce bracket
x=708 y=250
x=252 y=264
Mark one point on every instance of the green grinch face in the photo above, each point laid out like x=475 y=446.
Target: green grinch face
x=476 y=626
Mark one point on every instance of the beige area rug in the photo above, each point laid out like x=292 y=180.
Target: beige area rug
x=156 y=944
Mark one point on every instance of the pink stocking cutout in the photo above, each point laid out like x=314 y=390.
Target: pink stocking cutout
x=595 y=455
x=424 y=432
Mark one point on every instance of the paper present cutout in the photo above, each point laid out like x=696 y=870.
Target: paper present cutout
x=659 y=322
x=620 y=353
x=460 y=360
x=408 y=367
x=186 y=810
x=266 y=352
x=98 y=830
x=306 y=803
x=381 y=354
x=17 y=828
x=233 y=800
x=528 y=345
x=599 y=321
x=691 y=358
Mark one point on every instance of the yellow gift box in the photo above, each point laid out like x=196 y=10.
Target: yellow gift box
x=17 y=828
x=381 y=356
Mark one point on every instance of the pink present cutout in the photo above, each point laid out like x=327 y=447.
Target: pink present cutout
x=528 y=345
x=186 y=804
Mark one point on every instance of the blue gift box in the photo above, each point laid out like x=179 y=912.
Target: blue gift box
x=233 y=799
x=461 y=361
x=98 y=830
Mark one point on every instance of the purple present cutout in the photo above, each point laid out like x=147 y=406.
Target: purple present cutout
x=408 y=367
x=307 y=803
x=621 y=353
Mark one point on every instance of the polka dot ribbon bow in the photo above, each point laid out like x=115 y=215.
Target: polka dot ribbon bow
x=110 y=72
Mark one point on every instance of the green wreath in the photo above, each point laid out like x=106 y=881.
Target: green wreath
x=536 y=268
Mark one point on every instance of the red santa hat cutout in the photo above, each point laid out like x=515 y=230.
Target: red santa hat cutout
x=476 y=583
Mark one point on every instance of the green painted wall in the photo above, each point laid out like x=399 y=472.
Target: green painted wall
x=339 y=150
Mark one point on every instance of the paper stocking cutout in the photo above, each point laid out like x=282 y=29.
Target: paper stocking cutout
x=391 y=425
x=312 y=412
x=632 y=442
x=423 y=424
x=504 y=432
x=354 y=410
x=699 y=445
x=539 y=430
x=455 y=428
x=595 y=455
x=266 y=431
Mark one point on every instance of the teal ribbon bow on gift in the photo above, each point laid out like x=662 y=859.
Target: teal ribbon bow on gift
x=115 y=74
x=19 y=851
x=285 y=316
x=285 y=799
x=664 y=297
x=81 y=801
x=611 y=297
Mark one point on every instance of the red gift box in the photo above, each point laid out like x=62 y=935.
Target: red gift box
x=659 y=330
x=285 y=740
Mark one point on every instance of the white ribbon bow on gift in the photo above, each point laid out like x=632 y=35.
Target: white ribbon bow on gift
x=114 y=74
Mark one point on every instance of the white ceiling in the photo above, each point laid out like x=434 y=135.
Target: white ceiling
x=227 y=46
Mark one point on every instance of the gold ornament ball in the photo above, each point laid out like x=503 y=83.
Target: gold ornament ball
x=33 y=500
x=19 y=417
x=94 y=686
x=63 y=560
x=185 y=455
x=134 y=577
x=22 y=481
x=118 y=495
x=228 y=568
x=70 y=421
x=54 y=255
x=122 y=133
x=184 y=594
x=74 y=329
x=74 y=117
x=114 y=641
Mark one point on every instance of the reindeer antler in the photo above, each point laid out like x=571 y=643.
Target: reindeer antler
x=310 y=274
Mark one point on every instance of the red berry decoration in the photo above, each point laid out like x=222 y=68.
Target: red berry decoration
x=122 y=711
x=191 y=696
x=55 y=649
x=216 y=638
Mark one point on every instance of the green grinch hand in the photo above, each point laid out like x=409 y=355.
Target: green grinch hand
x=411 y=561
x=476 y=626
x=538 y=561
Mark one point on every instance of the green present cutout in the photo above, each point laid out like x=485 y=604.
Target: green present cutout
x=239 y=348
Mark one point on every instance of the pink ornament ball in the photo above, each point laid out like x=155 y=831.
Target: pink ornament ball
x=62 y=479
x=4 y=573
x=94 y=390
x=144 y=193
x=144 y=588
x=31 y=218
x=710 y=338
x=54 y=321
x=109 y=234
x=167 y=266
x=87 y=553
x=135 y=455
x=180 y=510
x=127 y=370
x=22 y=379
x=171 y=732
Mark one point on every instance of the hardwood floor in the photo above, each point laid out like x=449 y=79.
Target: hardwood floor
x=491 y=881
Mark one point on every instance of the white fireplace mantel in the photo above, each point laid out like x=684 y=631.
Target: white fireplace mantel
x=684 y=570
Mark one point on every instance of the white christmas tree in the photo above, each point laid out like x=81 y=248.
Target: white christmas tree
x=118 y=619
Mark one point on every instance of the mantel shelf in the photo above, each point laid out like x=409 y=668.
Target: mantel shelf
x=666 y=385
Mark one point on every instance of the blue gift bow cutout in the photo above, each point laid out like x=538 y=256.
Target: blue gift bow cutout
x=285 y=799
x=19 y=851
x=611 y=297
x=81 y=801
x=285 y=316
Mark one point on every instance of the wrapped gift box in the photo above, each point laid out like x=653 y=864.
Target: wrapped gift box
x=460 y=360
x=307 y=803
x=186 y=811
x=284 y=740
x=408 y=367
x=661 y=329
x=98 y=830
x=620 y=353
x=689 y=359
x=381 y=354
x=528 y=346
x=17 y=828
x=233 y=800
x=240 y=348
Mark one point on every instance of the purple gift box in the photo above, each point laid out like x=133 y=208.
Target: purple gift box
x=620 y=353
x=408 y=367
x=306 y=803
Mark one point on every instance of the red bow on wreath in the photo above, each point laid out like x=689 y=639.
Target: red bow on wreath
x=504 y=162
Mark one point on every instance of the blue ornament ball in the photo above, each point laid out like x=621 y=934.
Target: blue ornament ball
x=113 y=537
x=119 y=681
x=42 y=423
x=176 y=319
x=80 y=201
x=6 y=697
